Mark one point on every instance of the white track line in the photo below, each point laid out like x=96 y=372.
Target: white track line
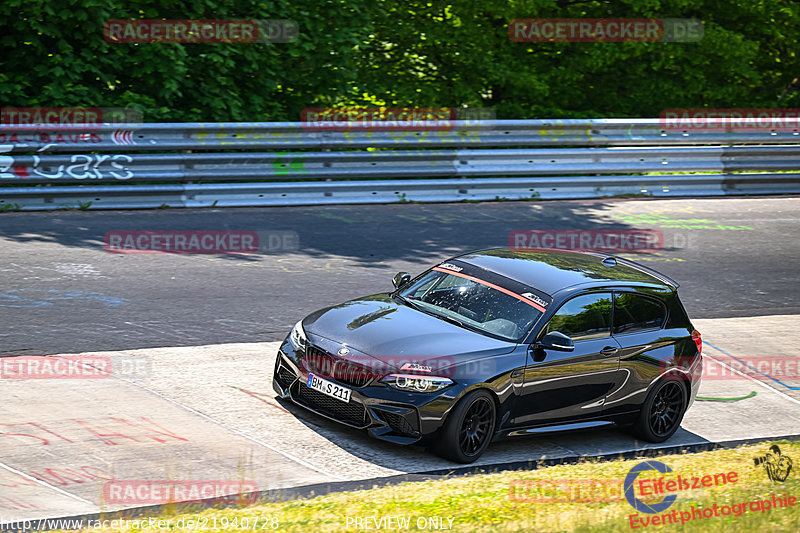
x=40 y=482
x=776 y=391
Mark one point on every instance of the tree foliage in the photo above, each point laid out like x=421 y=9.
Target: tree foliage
x=396 y=53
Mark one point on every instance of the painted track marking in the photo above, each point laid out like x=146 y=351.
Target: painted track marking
x=44 y=484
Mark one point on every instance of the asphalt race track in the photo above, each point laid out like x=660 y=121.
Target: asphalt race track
x=196 y=336
x=62 y=293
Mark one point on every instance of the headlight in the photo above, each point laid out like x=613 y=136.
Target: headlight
x=412 y=383
x=298 y=336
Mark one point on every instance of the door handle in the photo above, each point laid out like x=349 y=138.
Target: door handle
x=608 y=350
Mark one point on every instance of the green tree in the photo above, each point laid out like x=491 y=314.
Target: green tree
x=53 y=53
x=429 y=52
x=396 y=52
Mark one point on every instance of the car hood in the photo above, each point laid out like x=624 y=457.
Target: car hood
x=387 y=330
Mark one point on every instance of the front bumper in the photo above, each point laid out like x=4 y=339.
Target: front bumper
x=387 y=414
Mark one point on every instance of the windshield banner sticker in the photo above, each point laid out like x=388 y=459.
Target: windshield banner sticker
x=493 y=286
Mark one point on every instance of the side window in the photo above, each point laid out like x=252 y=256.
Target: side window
x=584 y=317
x=425 y=284
x=635 y=312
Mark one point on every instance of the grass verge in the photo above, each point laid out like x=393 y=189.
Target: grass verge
x=531 y=500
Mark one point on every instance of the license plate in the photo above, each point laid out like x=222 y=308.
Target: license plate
x=326 y=387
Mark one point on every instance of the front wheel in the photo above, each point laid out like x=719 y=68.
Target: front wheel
x=662 y=412
x=468 y=429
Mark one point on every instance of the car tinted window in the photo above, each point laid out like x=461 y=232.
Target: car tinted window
x=419 y=288
x=634 y=312
x=474 y=305
x=584 y=317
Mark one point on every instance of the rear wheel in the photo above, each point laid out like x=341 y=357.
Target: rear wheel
x=662 y=412
x=468 y=429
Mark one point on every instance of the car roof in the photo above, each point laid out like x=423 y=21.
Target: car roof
x=551 y=271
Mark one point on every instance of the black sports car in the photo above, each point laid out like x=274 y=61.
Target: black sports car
x=497 y=343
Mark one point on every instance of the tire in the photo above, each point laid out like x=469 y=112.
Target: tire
x=468 y=429
x=662 y=411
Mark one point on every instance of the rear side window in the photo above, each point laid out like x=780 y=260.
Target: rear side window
x=635 y=312
x=584 y=317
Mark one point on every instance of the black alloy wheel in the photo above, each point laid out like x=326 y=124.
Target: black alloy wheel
x=662 y=411
x=469 y=428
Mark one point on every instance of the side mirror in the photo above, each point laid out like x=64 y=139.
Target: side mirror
x=555 y=340
x=400 y=279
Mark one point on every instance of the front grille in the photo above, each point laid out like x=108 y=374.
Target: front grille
x=339 y=369
x=353 y=413
x=399 y=423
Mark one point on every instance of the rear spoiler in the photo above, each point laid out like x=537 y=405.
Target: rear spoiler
x=647 y=270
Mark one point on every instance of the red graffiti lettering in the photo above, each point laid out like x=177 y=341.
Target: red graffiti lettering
x=35 y=425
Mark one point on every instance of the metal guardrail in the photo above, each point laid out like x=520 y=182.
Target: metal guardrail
x=297 y=135
x=115 y=165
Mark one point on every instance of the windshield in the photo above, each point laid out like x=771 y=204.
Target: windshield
x=474 y=304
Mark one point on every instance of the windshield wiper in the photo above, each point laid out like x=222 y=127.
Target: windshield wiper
x=456 y=321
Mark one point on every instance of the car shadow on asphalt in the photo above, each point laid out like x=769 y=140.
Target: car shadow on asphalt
x=515 y=453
